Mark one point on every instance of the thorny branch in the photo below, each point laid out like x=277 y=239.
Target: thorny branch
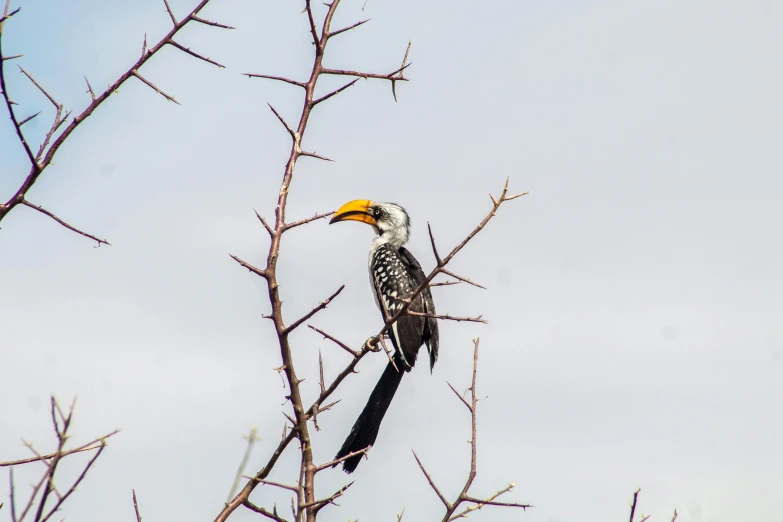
x=41 y=160
x=305 y=506
x=38 y=503
x=464 y=497
x=643 y=518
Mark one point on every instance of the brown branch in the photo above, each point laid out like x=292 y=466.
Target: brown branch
x=464 y=497
x=194 y=54
x=287 y=127
x=367 y=76
x=261 y=511
x=40 y=88
x=445 y=283
x=250 y=267
x=210 y=22
x=318 y=504
x=335 y=92
x=84 y=447
x=29 y=118
x=432 y=483
x=333 y=463
x=63 y=223
x=154 y=87
x=266 y=225
x=38 y=166
x=136 y=507
x=251 y=440
x=323 y=304
x=289 y=226
x=463 y=279
x=314 y=155
x=354 y=26
x=278 y=78
x=171 y=14
x=448 y=317
x=633 y=506
x=276 y=484
x=89 y=87
x=335 y=341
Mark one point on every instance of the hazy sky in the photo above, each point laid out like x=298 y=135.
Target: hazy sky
x=634 y=297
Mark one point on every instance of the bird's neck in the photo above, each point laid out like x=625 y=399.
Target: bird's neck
x=395 y=238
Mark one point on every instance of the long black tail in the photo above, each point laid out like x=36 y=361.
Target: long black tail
x=366 y=427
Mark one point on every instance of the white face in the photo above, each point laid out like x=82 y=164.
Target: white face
x=392 y=222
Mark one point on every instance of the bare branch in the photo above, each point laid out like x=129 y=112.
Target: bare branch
x=335 y=92
x=308 y=315
x=463 y=279
x=335 y=341
x=252 y=507
x=432 y=484
x=29 y=118
x=470 y=408
x=346 y=72
x=250 y=267
x=155 y=87
x=251 y=440
x=63 y=223
x=276 y=484
x=318 y=504
x=196 y=55
x=210 y=23
x=89 y=87
x=263 y=222
x=313 y=30
x=136 y=507
x=354 y=26
x=445 y=283
x=333 y=463
x=171 y=14
x=287 y=127
x=95 y=444
x=289 y=226
x=278 y=78
x=9 y=15
x=49 y=96
x=633 y=506
x=448 y=317
x=314 y=155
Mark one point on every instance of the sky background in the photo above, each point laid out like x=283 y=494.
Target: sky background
x=634 y=297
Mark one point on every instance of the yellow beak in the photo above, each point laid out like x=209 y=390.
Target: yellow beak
x=356 y=210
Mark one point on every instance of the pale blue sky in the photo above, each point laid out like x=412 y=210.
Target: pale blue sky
x=634 y=296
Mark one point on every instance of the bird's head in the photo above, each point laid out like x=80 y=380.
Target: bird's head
x=389 y=220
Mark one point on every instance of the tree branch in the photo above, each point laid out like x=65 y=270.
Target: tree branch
x=63 y=223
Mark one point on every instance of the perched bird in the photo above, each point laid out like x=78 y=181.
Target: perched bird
x=394 y=277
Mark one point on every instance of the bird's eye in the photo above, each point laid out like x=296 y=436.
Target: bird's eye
x=376 y=212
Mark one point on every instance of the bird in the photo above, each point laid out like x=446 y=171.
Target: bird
x=394 y=276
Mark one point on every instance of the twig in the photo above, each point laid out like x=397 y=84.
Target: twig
x=252 y=507
x=354 y=26
x=323 y=304
x=447 y=317
x=278 y=78
x=136 y=506
x=333 y=463
x=305 y=221
x=251 y=440
x=335 y=341
x=195 y=55
x=442 y=498
x=250 y=267
x=154 y=87
x=38 y=164
x=63 y=223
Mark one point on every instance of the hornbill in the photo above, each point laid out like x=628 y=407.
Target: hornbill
x=394 y=277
